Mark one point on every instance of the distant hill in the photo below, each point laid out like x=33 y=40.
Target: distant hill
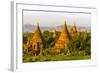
x=31 y=28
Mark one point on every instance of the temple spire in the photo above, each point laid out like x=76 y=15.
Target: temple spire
x=37 y=41
x=74 y=29
x=63 y=39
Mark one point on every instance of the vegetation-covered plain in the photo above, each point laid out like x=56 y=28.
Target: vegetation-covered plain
x=79 y=47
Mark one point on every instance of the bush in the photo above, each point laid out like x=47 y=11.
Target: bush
x=80 y=43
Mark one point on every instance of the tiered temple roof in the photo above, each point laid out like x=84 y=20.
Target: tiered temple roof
x=36 y=43
x=63 y=39
x=74 y=29
x=37 y=37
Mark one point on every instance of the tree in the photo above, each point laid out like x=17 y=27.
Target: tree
x=24 y=39
x=48 y=38
x=80 y=42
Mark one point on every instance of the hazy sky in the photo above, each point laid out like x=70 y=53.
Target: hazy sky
x=56 y=18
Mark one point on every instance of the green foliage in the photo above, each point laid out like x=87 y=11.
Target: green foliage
x=24 y=39
x=27 y=36
x=58 y=57
x=80 y=43
x=30 y=35
x=79 y=47
x=49 y=39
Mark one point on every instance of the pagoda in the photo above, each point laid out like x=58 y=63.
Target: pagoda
x=37 y=41
x=35 y=44
x=74 y=29
x=54 y=33
x=63 y=40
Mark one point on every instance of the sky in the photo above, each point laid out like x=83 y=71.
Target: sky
x=56 y=18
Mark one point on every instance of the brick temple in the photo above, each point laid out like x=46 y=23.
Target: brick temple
x=63 y=40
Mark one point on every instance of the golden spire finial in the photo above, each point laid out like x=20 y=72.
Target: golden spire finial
x=64 y=21
x=74 y=29
x=74 y=23
x=37 y=23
